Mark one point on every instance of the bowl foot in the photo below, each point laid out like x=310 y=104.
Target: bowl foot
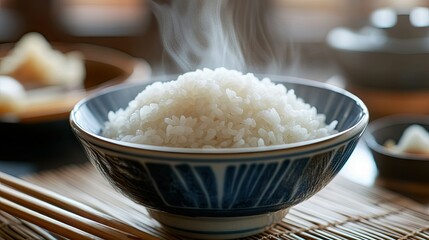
x=217 y=227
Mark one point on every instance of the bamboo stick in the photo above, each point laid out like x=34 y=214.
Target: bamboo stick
x=72 y=206
x=43 y=221
x=59 y=214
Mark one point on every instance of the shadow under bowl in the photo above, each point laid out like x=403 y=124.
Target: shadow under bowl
x=391 y=165
x=221 y=193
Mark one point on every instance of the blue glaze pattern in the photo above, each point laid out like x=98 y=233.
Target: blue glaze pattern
x=221 y=184
x=246 y=188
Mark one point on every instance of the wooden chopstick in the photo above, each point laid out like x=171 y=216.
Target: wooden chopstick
x=43 y=221
x=64 y=216
x=72 y=206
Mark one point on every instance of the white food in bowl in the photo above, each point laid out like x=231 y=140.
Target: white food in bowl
x=35 y=63
x=11 y=94
x=415 y=139
x=217 y=109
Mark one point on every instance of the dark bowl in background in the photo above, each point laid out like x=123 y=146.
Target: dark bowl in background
x=390 y=52
x=38 y=146
x=399 y=171
x=42 y=134
x=385 y=70
x=384 y=62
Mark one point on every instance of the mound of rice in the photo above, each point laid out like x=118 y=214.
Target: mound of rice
x=217 y=109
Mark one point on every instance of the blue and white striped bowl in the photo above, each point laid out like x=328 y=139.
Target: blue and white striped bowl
x=221 y=193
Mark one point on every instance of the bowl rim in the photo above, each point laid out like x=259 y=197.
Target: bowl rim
x=323 y=142
x=390 y=121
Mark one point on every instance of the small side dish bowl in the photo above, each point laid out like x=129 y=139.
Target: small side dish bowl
x=397 y=166
x=221 y=193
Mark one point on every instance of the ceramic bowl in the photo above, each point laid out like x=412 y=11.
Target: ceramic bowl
x=392 y=166
x=45 y=123
x=221 y=193
x=389 y=53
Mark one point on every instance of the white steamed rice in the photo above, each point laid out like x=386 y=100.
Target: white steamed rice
x=217 y=109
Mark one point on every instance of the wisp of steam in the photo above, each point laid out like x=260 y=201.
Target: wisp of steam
x=235 y=34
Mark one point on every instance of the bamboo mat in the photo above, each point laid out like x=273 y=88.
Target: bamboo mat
x=343 y=210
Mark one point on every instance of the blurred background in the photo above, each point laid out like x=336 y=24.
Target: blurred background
x=126 y=25
x=129 y=25
x=342 y=42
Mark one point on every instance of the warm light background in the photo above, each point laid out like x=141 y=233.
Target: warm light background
x=129 y=25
